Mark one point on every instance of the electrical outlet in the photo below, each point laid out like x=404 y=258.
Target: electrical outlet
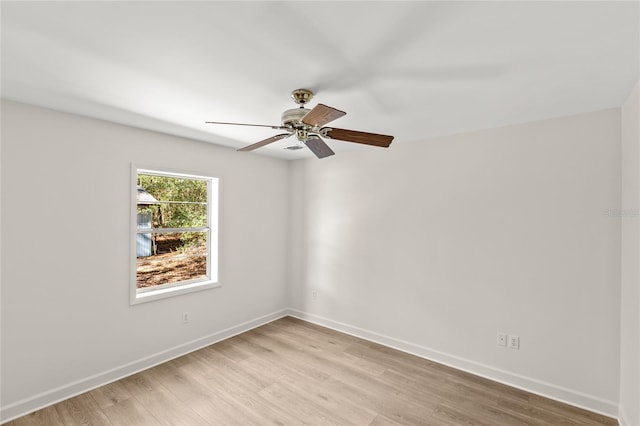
x=514 y=341
x=502 y=339
x=314 y=295
x=185 y=317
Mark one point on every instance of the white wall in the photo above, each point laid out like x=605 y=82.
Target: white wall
x=630 y=317
x=65 y=252
x=436 y=247
x=432 y=248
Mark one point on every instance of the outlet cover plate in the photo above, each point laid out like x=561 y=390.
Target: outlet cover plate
x=502 y=339
x=514 y=341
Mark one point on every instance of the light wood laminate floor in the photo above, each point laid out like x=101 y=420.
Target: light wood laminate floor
x=291 y=372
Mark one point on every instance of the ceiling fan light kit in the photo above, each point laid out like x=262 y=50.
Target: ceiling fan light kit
x=307 y=125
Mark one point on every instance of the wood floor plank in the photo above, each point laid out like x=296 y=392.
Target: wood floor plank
x=299 y=405
x=330 y=401
x=81 y=410
x=130 y=412
x=295 y=359
x=307 y=337
x=47 y=416
x=270 y=370
x=292 y=372
x=384 y=401
x=318 y=353
x=237 y=397
x=218 y=411
x=177 y=383
x=381 y=420
x=170 y=410
x=257 y=410
x=445 y=415
x=232 y=351
x=305 y=329
x=232 y=371
x=530 y=411
x=579 y=415
x=156 y=398
x=108 y=395
x=405 y=363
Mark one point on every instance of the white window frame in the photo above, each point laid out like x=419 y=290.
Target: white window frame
x=164 y=291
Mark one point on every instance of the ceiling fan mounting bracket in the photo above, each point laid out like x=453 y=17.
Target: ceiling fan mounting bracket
x=302 y=96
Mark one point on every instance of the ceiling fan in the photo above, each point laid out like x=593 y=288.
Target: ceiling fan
x=307 y=125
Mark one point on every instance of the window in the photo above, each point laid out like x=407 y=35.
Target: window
x=174 y=234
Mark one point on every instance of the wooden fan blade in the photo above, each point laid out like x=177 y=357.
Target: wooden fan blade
x=321 y=115
x=265 y=142
x=318 y=147
x=245 y=124
x=358 y=137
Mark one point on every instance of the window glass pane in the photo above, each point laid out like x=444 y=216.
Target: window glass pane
x=164 y=188
x=172 y=215
x=170 y=258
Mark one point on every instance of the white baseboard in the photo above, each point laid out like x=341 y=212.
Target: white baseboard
x=44 y=399
x=623 y=420
x=549 y=390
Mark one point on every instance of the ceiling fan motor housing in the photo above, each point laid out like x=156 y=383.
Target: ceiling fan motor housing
x=293 y=117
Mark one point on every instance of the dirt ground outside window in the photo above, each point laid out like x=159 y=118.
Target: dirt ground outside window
x=172 y=263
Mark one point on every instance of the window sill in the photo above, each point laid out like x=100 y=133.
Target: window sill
x=164 y=293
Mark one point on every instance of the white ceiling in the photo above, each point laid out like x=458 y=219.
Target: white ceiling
x=410 y=69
